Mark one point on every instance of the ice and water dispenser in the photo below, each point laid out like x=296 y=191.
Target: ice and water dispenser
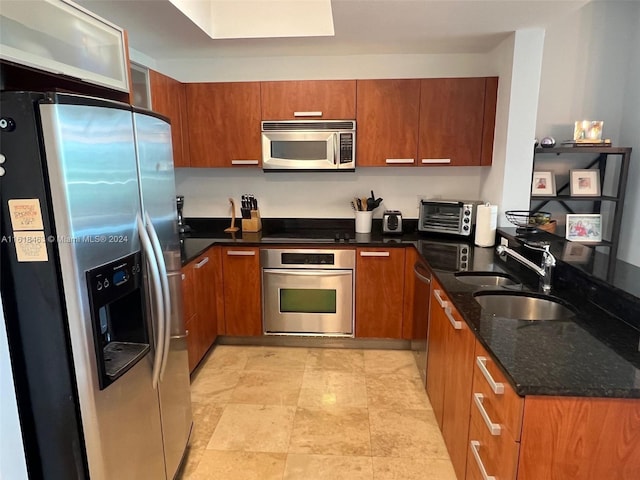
x=118 y=316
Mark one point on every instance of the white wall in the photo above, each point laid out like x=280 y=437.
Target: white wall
x=238 y=69
x=590 y=71
x=313 y=195
x=322 y=195
x=630 y=136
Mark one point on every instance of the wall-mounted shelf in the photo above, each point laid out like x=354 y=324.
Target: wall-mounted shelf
x=610 y=161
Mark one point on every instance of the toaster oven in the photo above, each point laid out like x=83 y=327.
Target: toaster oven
x=448 y=216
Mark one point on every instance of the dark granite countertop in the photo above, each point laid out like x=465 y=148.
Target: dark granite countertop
x=595 y=354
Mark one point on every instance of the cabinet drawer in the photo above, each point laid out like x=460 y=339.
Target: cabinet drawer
x=502 y=405
x=497 y=455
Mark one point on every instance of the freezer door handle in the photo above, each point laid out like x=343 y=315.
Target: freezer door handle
x=154 y=272
x=166 y=295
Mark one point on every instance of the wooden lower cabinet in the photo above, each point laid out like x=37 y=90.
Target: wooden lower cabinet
x=496 y=419
x=199 y=304
x=436 y=355
x=379 y=292
x=580 y=439
x=242 y=291
x=450 y=392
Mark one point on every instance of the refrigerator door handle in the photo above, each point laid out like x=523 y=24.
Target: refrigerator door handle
x=154 y=272
x=166 y=294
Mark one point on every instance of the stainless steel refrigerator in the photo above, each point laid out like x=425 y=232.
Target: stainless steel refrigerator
x=91 y=287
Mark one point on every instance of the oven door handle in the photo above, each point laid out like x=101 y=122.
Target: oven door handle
x=315 y=273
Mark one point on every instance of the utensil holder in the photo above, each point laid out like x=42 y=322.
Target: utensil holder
x=253 y=224
x=363 y=221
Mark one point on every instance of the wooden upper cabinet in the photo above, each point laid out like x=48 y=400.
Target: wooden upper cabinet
x=379 y=292
x=299 y=100
x=387 y=121
x=167 y=98
x=457 y=120
x=224 y=124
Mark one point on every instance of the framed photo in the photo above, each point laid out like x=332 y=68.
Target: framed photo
x=576 y=253
x=588 y=131
x=585 y=183
x=584 y=227
x=544 y=183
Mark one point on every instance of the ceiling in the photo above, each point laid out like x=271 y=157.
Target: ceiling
x=158 y=29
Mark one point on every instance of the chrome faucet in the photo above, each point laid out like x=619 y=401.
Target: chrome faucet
x=544 y=271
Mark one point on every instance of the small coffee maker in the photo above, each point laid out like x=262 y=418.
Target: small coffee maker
x=182 y=228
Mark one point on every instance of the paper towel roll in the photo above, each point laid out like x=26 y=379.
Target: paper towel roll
x=486 y=222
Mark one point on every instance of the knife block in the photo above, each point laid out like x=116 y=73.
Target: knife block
x=253 y=224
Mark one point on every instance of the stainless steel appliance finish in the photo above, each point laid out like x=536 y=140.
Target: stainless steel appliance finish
x=523 y=306
x=447 y=256
x=157 y=188
x=392 y=221
x=310 y=145
x=109 y=175
x=447 y=216
x=421 y=299
x=308 y=291
x=182 y=227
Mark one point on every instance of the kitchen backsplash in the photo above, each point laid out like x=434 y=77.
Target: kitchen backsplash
x=322 y=195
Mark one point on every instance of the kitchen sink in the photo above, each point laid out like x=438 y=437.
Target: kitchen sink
x=523 y=305
x=487 y=279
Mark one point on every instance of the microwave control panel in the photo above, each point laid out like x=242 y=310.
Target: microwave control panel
x=346 y=147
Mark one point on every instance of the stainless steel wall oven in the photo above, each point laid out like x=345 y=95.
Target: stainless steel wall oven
x=308 y=291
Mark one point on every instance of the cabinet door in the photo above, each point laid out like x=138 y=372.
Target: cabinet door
x=387 y=119
x=436 y=352
x=224 y=124
x=460 y=348
x=205 y=285
x=295 y=100
x=242 y=291
x=379 y=292
x=191 y=323
x=167 y=98
x=452 y=113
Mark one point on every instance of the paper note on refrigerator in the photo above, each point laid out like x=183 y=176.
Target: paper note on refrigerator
x=30 y=246
x=25 y=214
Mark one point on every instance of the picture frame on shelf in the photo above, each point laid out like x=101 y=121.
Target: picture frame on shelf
x=576 y=253
x=584 y=227
x=585 y=183
x=588 y=131
x=543 y=184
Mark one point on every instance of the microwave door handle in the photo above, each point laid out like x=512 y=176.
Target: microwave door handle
x=336 y=136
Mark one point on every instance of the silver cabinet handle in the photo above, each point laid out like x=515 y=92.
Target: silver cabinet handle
x=184 y=277
x=306 y=273
x=307 y=114
x=392 y=161
x=241 y=253
x=375 y=254
x=202 y=262
x=456 y=324
x=443 y=303
x=494 y=428
x=475 y=446
x=426 y=161
x=420 y=276
x=497 y=387
x=245 y=162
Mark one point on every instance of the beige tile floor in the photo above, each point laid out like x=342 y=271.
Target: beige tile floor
x=263 y=413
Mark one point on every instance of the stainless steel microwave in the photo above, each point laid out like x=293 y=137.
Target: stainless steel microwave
x=310 y=145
